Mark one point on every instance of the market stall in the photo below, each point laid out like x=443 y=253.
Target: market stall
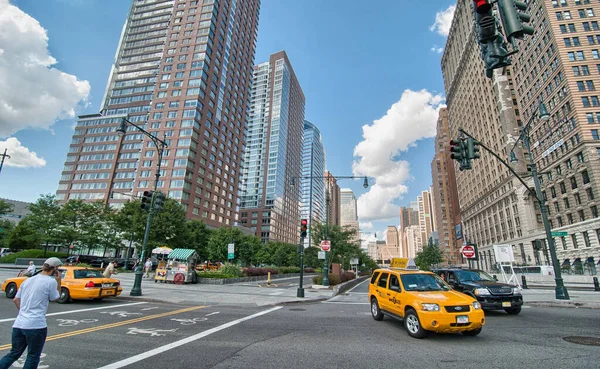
x=178 y=268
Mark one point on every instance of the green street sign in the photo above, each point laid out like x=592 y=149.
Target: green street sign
x=1 y=230
x=231 y=255
x=559 y=234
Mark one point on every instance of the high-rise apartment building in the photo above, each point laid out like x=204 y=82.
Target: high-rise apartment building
x=560 y=66
x=182 y=72
x=269 y=200
x=332 y=190
x=392 y=241
x=426 y=224
x=312 y=183
x=348 y=210
x=446 y=208
x=408 y=217
x=413 y=241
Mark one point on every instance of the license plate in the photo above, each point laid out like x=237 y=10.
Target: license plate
x=108 y=292
x=462 y=319
x=106 y=285
x=505 y=304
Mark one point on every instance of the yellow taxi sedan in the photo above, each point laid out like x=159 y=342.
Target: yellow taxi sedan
x=78 y=283
x=424 y=302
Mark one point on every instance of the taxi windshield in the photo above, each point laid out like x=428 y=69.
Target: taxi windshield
x=473 y=275
x=423 y=282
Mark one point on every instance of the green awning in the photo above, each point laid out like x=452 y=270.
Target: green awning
x=182 y=254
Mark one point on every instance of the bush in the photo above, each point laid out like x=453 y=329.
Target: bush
x=309 y=270
x=254 y=272
x=218 y=275
x=232 y=269
x=347 y=276
x=333 y=279
x=31 y=254
x=288 y=270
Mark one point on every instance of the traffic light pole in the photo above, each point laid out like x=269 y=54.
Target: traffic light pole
x=300 y=292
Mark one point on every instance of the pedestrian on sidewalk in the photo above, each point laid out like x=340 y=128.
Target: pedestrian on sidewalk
x=147 y=268
x=110 y=269
x=30 y=328
x=30 y=269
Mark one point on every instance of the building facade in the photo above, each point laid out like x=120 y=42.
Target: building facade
x=446 y=208
x=332 y=190
x=182 y=72
x=426 y=223
x=392 y=240
x=269 y=201
x=348 y=211
x=312 y=182
x=20 y=210
x=408 y=217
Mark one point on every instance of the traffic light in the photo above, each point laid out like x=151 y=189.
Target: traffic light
x=493 y=47
x=514 y=20
x=459 y=152
x=147 y=200
x=473 y=148
x=159 y=201
x=303 y=227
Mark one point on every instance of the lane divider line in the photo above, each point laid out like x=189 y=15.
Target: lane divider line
x=80 y=310
x=172 y=345
x=111 y=325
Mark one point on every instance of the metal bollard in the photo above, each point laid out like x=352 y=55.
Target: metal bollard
x=524 y=282
x=596 y=285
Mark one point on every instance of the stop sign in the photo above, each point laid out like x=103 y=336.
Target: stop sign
x=325 y=245
x=468 y=251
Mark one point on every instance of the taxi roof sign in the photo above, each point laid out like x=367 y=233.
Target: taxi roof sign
x=403 y=263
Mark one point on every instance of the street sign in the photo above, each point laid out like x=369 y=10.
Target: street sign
x=231 y=251
x=321 y=255
x=354 y=261
x=559 y=234
x=325 y=245
x=468 y=251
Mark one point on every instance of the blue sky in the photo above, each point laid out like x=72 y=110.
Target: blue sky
x=371 y=76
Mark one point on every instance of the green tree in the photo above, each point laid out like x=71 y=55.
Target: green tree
x=79 y=224
x=196 y=237
x=219 y=239
x=6 y=228
x=431 y=255
x=247 y=249
x=5 y=207
x=343 y=248
x=25 y=236
x=43 y=217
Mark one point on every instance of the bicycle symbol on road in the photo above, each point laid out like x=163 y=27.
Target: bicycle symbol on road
x=151 y=331
x=122 y=314
x=73 y=322
x=189 y=321
x=20 y=363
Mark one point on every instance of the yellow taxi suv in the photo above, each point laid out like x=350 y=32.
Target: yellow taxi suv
x=78 y=283
x=424 y=302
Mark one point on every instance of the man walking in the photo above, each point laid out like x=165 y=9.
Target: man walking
x=30 y=328
x=110 y=269
x=147 y=268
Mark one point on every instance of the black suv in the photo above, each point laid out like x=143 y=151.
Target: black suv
x=492 y=294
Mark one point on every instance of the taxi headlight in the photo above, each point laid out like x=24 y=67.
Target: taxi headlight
x=476 y=305
x=516 y=291
x=430 y=307
x=481 y=292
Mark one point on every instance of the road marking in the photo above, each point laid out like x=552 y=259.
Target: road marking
x=112 y=325
x=80 y=310
x=367 y=279
x=216 y=312
x=170 y=346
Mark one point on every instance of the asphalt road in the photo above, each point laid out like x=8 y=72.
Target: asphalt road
x=338 y=333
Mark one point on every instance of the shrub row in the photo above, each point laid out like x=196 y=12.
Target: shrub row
x=31 y=254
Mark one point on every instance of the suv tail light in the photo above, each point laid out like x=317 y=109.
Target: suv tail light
x=90 y=284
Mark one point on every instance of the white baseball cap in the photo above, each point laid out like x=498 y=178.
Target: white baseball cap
x=53 y=262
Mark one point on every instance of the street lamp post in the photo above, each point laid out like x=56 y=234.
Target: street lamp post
x=160 y=147
x=4 y=156
x=560 y=290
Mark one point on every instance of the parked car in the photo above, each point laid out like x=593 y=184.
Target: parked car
x=424 y=302
x=492 y=295
x=78 y=283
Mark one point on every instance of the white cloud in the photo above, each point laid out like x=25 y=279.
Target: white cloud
x=33 y=93
x=20 y=156
x=443 y=20
x=412 y=118
x=366 y=225
x=437 y=49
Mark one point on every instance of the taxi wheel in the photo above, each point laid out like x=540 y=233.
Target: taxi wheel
x=472 y=333
x=11 y=290
x=65 y=297
x=413 y=324
x=513 y=311
x=375 y=311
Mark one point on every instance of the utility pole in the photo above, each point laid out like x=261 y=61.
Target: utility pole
x=4 y=156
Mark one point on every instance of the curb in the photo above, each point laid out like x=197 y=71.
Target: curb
x=341 y=288
x=565 y=304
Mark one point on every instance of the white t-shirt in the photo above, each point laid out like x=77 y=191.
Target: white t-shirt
x=35 y=294
x=148 y=265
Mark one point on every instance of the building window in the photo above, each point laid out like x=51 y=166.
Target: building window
x=559 y=221
x=567 y=204
x=585 y=177
x=563 y=188
x=586 y=239
x=581 y=215
x=594 y=210
x=574 y=240
x=580 y=157
x=595 y=134
x=573 y=183
x=564 y=242
x=590 y=193
x=577 y=199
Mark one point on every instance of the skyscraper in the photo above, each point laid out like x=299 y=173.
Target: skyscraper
x=444 y=192
x=312 y=190
x=408 y=217
x=333 y=189
x=269 y=200
x=426 y=225
x=182 y=72
x=392 y=242
x=348 y=210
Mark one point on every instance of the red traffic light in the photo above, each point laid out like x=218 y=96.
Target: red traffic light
x=304 y=222
x=482 y=6
x=147 y=194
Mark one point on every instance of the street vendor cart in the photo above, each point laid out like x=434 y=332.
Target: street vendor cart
x=178 y=268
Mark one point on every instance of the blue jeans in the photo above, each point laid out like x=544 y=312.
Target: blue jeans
x=33 y=339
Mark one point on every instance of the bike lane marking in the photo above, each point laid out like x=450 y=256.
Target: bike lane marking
x=79 y=310
x=172 y=345
x=112 y=325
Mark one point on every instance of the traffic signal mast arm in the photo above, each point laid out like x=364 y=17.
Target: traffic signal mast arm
x=532 y=192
